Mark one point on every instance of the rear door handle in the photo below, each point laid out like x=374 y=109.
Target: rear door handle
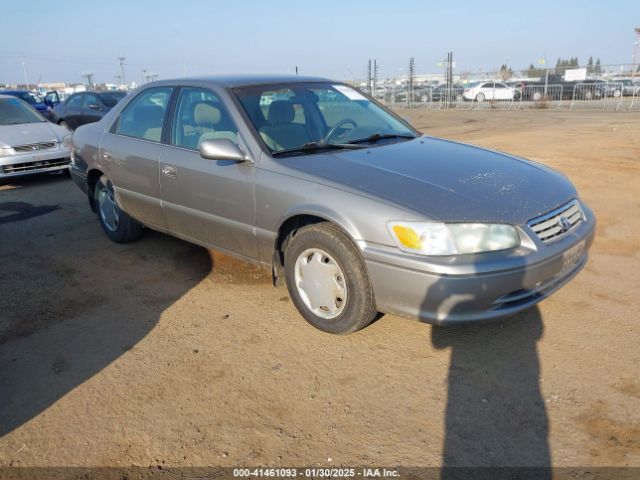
x=169 y=170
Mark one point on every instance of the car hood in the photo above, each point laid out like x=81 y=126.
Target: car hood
x=445 y=180
x=24 y=133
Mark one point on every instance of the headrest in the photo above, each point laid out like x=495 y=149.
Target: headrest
x=281 y=111
x=205 y=114
x=149 y=114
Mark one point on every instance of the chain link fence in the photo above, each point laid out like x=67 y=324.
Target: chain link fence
x=609 y=88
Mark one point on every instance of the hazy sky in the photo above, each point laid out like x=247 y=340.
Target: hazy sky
x=61 y=39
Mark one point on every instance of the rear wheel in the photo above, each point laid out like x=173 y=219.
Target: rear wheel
x=328 y=280
x=117 y=225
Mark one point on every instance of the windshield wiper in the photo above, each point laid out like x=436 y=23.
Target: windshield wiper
x=312 y=147
x=380 y=136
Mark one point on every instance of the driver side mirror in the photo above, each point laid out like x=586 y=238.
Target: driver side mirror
x=221 y=149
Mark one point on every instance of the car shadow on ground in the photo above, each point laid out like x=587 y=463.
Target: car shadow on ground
x=74 y=302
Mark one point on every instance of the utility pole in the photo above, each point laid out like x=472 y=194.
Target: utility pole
x=410 y=79
x=89 y=77
x=374 y=80
x=24 y=69
x=122 y=64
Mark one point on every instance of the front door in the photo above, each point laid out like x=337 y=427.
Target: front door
x=130 y=154
x=208 y=201
x=73 y=110
x=92 y=108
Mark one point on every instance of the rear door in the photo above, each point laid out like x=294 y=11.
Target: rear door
x=130 y=151
x=208 y=201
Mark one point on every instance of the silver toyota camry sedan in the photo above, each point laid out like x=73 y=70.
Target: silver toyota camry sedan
x=346 y=203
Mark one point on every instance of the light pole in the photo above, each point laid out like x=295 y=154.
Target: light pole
x=24 y=69
x=121 y=60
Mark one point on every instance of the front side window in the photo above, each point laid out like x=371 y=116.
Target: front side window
x=200 y=115
x=144 y=116
x=290 y=117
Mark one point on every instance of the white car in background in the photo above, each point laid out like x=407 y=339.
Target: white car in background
x=489 y=90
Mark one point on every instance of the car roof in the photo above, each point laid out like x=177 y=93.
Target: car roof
x=11 y=92
x=2 y=95
x=232 y=81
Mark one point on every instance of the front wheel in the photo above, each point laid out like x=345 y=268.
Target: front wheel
x=480 y=97
x=117 y=225
x=328 y=280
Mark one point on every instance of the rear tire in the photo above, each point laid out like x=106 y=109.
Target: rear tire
x=115 y=223
x=337 y=296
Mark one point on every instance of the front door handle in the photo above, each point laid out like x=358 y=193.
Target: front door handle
x=169 y=170
x=107 y=155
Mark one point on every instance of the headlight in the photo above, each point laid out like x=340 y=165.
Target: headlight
x=6 y=151
x=66 y=141
x=427 y=238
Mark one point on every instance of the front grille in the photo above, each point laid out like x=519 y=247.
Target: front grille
x=34 y=147
x=554 y=225
x=32 y=166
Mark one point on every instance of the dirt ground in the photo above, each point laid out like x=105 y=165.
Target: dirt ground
x=158 y=353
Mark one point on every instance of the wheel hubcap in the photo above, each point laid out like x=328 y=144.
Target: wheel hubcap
x=321 y=283
x=109 y=211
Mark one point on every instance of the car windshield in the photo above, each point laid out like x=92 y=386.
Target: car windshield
x=30 y=98
x=14 y=111
x=111 y=98
x=315 y=115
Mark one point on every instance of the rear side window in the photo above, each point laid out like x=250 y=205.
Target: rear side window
x=144 y=117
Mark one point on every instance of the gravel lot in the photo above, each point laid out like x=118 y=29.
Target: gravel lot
x=161 y=353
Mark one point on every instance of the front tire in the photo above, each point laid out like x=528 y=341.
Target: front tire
x=480 y=97
x=115 y=223
x=328 y=280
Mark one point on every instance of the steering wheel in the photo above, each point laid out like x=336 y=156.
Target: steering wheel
x=335 y=128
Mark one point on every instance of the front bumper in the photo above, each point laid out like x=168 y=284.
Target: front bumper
x=40 y=161
x=480 y=287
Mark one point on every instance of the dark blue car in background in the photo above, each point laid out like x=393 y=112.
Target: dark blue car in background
x=45 y=108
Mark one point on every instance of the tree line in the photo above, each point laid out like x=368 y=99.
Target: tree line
x=564 y=64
